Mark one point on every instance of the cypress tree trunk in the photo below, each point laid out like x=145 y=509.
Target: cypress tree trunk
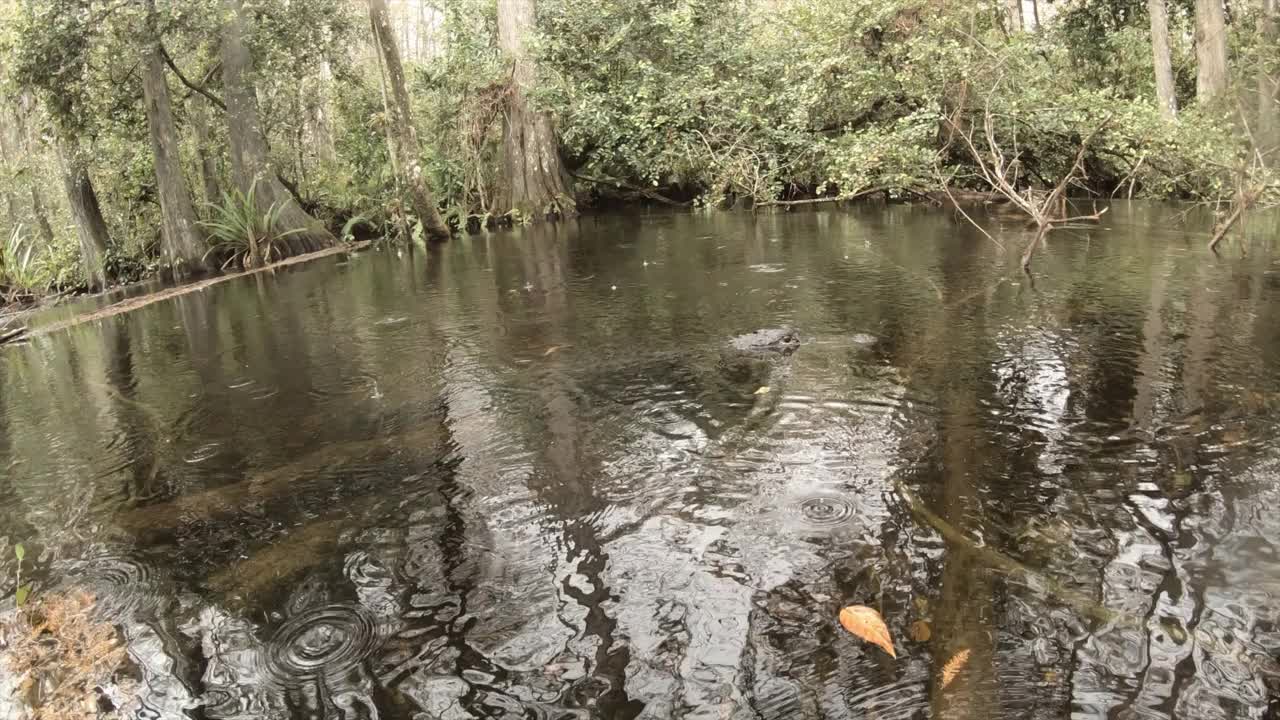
x=1268 y=111
x=251 y=167
x=91 y=227
x=204 y=150
x=536 y=182
x=1211 y=50
x=1013 y=15
x=39 y=213
x=180 y=235
x=1163 y=63
x=12 y=216
x=404 y=137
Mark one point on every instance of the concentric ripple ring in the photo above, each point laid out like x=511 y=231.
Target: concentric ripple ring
x=322 y=642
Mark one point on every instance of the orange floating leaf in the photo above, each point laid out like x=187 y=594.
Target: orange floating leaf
x=868 y=625
x=920 y=631
x=954 y=666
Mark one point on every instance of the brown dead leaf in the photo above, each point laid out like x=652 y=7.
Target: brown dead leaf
x=920 y=631
x=954 y=666
x=867 y=624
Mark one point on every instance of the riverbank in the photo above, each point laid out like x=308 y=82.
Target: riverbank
x=19 y=333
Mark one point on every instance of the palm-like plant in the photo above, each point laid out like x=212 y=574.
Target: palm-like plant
x=246 y=234
x=20 y=265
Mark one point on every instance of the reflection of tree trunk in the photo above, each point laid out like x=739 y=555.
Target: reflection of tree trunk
x=90 y=225
x=964 y=609
x=406 y=151
x=1152 y=354
x=1211 y=50
x=536 y=181
x=139 y=445
x=251 y=166
x=567 y=488
x=1200 y=340
x=1165 y=97
x=180 y=236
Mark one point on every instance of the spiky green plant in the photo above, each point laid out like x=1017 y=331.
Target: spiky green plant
x=21 y=266
x=247 y=235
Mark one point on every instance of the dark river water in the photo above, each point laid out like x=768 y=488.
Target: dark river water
x=524 y=475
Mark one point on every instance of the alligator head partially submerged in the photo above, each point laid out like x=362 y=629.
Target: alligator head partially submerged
x=783 y=340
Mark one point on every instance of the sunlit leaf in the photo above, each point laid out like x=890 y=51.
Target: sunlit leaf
x=20 y=551
x=20 y=596
x=553 y=349
x=920 y=631
x=763 y=390
x=954 y=666
x=867 y=624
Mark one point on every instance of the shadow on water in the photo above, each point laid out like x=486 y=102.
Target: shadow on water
x=524 y=475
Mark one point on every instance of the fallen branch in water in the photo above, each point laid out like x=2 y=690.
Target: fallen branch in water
x=1244 y=200
x=815 y=201
x=645 y=192
x=125 y=306
x=11 y=335
x=1001 y=174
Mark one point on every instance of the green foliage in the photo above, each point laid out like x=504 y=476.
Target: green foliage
x=243 y=233
x=722 y=100
x=29 y=268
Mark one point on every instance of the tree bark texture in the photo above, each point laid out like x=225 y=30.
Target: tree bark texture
x=251 y=168
x=1165 y=96
x=8 y=136
x=536 y=182
x=25 y=149
x=1268 y=83
x=91 y=227
x=180 y=235
x=404 y=138
x=1013 y=16
x=1211 y=50
x=204 y=150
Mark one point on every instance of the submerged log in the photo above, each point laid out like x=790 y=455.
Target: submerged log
x=276 y=483
x=281 y=560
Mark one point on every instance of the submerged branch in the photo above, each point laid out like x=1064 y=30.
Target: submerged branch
x=645 y=192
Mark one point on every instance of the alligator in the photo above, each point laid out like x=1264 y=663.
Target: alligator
x=783 y=340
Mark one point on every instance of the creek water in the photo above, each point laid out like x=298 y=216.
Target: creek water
x=525 y=475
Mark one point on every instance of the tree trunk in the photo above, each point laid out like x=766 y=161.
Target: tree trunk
x=1163 y=63
x=1268 y=112
x=180 y=235
x=91 y=227
x=20 y=141
x=536 y=182
x=41 y=215
x=250 y=161
x=7 y=142
x=406 y=152
x=204 y=151
x=1211 y=50
x=1013 y=15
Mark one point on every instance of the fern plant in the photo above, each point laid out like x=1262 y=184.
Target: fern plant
x=245 y=234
